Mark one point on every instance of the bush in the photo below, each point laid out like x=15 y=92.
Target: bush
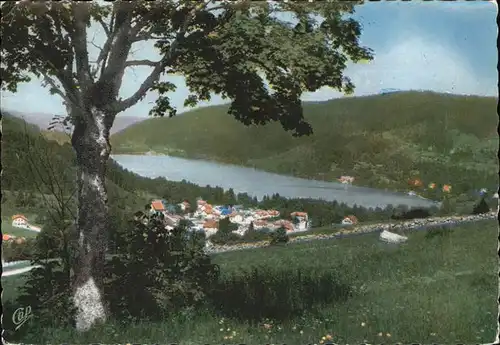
x=277 y=293
x=481 y=208
x=279 y=236
x=13 y=251
x=158 y=272
x=416 y=213
x=255 y=236
x=48 y=287
x=225 y=234
x=48 y=292
x=228 y=238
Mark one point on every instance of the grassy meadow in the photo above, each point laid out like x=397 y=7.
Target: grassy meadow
x=439 y=287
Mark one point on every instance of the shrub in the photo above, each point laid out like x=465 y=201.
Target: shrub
x=481 y=208
x=48 y=287
x=277 y=293
x=255 y=236
x=13 y=251
x=159 y=271
x=279 y=236
x=228 y=238
x=225 y=234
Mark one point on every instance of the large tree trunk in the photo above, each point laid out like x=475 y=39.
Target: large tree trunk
x=91 y=142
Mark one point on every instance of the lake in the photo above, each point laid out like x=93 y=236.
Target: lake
x=259 y=183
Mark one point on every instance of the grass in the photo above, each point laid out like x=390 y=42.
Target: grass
x=441 y=289
x=382 y=140
x=7 y=228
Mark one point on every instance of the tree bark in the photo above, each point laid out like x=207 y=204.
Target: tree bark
x=90 y=140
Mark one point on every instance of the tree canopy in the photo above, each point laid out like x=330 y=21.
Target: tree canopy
x=236 y=49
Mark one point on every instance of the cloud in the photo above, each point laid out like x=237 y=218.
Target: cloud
x=417 y=64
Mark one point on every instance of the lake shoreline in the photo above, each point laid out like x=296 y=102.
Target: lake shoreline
x=260 y=183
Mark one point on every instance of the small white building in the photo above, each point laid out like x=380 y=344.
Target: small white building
x=238 y=218
x=19 y=221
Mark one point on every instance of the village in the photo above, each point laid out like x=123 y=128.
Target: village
x=205 y=217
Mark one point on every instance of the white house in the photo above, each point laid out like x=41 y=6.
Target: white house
x=184 y=206
x=210 y=228
x=19 y=221
x=237 y=218
x=350 y=220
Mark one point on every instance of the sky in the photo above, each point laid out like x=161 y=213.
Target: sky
x=438 y=46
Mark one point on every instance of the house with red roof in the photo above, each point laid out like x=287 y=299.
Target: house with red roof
x=157 y=206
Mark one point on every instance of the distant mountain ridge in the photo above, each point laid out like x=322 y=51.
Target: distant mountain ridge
x=43 y=120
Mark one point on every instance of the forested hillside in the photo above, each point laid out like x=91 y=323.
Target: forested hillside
x=382 y=140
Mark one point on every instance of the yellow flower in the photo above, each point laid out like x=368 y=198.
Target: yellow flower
x=323 y=339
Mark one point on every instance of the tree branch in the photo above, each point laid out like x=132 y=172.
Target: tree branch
x=56 y=90
x=79 y=38
x=142 y=63
x=154 y=76
x=104 y=26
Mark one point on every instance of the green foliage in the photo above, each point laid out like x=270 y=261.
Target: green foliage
x=255 y=236
x=158 y=272
x=225 y=234
x=481 y=208
x=448 y=206
x=278 y=293
x=48 y=292
x=236 y=47
x=13 y=251
x=279 y=236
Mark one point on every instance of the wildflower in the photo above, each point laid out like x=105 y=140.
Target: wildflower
x=225 y=337
x=267 y=326
x=380 y=334
x=328 y=337
x=221 y=321
x=301 y=332
x=229 y=329
x=433 y=334
x=363 y=324
x=234 y=333
x=323 y=338
x=294 y=328
x=222 y=329
x=388 y=335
